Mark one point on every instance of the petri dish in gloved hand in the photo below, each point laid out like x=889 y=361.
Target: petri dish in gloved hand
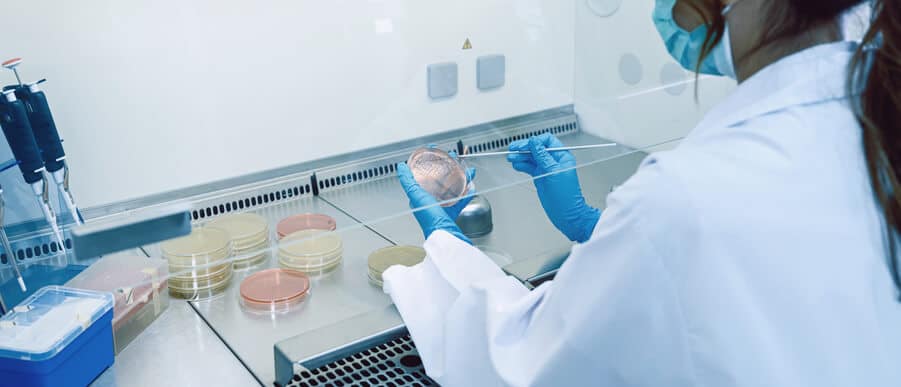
x=439 y=174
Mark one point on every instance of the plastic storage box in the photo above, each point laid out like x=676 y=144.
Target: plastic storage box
x=57 y=337
x=138 y=285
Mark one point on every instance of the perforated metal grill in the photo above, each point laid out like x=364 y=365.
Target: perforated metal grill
x=37 y=251
x=504 y=142
x=251 y=200
x=395 y=363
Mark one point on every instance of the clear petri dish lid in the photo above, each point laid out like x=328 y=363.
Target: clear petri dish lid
x=302 y=222
x=250 y=262
x=376 y=282
x=310 y=244
x=178 y=272
x=439 y=174
x=202 y=242
x=242 y=227
x=197 y=262
x=210 y=282
x=381 y=259
x=274 y=308
x=200 y=293
x=275 y=286
x=316 y=270
x=250 y=247
x=311 y=262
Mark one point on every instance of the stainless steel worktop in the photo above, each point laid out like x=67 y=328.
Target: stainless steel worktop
x=216 y=342
x=336 y=296
x=178 y=349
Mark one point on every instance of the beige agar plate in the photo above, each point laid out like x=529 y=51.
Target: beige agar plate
x=192 y=263
x=311 y=251
x=381 y=259
x=439 y=174
x=201 y=241
x=244 y=229
x=249 y=235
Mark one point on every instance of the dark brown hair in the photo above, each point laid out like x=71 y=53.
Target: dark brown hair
x=874 y=81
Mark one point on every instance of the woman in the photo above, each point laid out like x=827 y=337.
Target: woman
x=754 y=254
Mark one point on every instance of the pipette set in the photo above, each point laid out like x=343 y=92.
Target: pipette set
x=30 y=130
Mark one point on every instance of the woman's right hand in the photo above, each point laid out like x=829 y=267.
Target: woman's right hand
x=557 y=184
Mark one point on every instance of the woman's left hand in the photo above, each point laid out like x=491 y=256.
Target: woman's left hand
x=430 y=215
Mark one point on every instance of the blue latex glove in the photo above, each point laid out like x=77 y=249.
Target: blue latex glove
x=559 y=191
x=429 y=214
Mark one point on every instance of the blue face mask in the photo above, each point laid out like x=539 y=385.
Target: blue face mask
x=685 y=47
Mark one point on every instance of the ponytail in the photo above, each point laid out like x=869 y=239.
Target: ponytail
x=875 y=75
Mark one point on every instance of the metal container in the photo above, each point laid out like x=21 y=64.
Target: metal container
x=475 y=219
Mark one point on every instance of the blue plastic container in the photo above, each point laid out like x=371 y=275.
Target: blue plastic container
x=57 y=337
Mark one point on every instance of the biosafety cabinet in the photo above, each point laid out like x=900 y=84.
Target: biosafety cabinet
x=202 y=137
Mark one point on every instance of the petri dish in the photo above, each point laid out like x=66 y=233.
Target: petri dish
x=251 y=256
x=244 y=229
x=249 y=234
x=439 y=174
x=275 y=290
x=381 y=259
x=196 y=289
x=201 y=247
x=302 y=222
x=179 y=271
x=198 y=263
x=311 y=251
x=312 y=270
x=251 y=261
x=310 y=244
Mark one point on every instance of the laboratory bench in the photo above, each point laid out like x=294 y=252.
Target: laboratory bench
x=346 y=320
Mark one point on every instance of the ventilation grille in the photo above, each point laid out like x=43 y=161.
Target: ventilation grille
x=362 y=174
x=36 y=250
x=244 y=202
x=503 y=143
x=395 y=363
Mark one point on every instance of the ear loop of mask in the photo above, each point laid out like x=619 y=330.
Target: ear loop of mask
x=727 y=68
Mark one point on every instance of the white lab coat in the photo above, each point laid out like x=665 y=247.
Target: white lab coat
x=751 y=255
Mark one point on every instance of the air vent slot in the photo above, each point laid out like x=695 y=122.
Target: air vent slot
x=503 y=143
x=251 y=201
x=359 y=175
x=36 y=251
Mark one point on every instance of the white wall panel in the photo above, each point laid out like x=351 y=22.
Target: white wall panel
x=152 y=96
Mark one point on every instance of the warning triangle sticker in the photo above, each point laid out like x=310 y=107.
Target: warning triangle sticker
x=467 y=45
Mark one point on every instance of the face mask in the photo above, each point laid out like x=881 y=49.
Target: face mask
x=685 y=47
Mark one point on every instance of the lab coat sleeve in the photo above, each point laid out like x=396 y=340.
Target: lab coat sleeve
x=611 y=317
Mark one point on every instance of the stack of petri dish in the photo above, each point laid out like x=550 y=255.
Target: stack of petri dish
x=381 y=259
x=274 y=291
x=199 y=263
x=313 y=252
x=302 y=222
x=249 y=238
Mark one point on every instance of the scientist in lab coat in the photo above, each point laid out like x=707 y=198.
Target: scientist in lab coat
x=760 y=252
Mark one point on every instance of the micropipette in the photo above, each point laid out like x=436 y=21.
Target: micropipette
x=10 y=256
x=559 y=149
x=12 y=64
x=20 y=137
x=46 y=136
